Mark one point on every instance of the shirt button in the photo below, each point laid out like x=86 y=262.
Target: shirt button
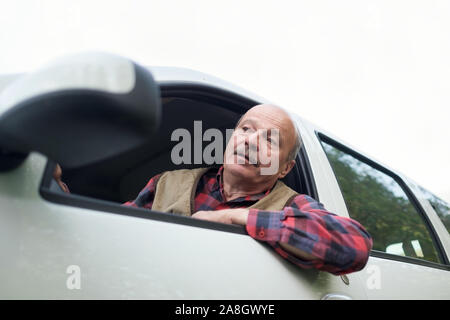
x=262 y=233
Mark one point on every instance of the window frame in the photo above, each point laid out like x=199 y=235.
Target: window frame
x=221 y=97
x=426 y=196
x=411 y=197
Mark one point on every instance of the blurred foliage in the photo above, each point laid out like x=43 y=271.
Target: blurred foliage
x=378 y=202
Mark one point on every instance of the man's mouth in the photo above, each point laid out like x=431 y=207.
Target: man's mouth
x=247 y=159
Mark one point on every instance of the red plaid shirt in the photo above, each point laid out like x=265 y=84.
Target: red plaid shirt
x=341 y=245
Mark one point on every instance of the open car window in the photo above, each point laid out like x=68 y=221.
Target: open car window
x=108 y=184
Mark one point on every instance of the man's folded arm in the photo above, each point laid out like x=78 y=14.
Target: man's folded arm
x=146 y=196
x=303 y=232
x=311 y=237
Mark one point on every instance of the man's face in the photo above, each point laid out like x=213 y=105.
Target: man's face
x=259 y=146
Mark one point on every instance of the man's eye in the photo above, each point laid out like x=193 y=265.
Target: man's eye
x=267 y=137
x=245 y=129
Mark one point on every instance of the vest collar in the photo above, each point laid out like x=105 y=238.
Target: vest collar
x=253 y=197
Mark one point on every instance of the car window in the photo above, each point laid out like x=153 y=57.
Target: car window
x=441 y=207
x=381 y=205
x=108 y=184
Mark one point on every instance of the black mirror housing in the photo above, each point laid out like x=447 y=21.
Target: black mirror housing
x=81 y=109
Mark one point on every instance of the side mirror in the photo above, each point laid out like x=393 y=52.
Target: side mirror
x=79 y=110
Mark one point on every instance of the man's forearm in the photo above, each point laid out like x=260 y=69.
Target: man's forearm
x=313 y=238
x=240 y=217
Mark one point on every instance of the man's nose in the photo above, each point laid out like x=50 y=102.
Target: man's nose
x=252 y=141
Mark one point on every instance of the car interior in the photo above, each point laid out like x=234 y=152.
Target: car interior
x=120 y=178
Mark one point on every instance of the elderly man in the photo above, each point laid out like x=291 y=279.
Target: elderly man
x=295 y=225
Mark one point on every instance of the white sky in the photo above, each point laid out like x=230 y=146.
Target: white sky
x=374 y=73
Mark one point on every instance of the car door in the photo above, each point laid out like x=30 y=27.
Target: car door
x=69 y=246
x=409 y=259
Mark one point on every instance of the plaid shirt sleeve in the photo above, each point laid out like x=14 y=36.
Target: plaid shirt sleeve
x=146 y=196
x=341 y=245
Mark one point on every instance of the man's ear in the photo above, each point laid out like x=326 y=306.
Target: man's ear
x=286 y=168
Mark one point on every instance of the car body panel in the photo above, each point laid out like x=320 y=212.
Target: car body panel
x=129 y=257
x=390 y=279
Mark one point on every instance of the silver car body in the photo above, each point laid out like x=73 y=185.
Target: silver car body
x=125 y=257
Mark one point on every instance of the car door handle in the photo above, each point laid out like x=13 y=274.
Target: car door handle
x=335 y=296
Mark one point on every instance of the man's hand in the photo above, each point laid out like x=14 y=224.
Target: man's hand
x=229 y=216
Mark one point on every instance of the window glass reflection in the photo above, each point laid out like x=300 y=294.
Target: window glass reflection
x=379 y=203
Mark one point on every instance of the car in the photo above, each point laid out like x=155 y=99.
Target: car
x=108 y=122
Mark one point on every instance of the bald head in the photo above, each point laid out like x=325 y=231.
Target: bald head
x=281 y=120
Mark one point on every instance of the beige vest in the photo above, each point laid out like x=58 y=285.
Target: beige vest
x=175 y=193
